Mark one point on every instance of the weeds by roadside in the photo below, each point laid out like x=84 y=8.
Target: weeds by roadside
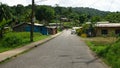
x=17 y=39
x=108 y=50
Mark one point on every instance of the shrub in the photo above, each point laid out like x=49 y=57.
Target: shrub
x=84 y=35
x=11 y=40
x=79 y=32
x=112 y=54
x=109 y=52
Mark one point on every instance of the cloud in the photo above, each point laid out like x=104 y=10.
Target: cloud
x=105 y=5
x=14 y=2
x=47 y=2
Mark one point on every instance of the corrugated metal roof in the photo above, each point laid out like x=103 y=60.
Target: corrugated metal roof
x=103 y=22
x=36 y=24
x=107 y=25
x=77 y=27
x=51 y=26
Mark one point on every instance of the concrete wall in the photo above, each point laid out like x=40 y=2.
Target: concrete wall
x=111 y=31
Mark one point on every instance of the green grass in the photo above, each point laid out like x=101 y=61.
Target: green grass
x=96 y=47
x=14 y=40
x=2 y=49
x=109 y=52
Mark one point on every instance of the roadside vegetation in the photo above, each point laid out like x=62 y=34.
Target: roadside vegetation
x=14 y=40
x=108 y=50
x=68 y=24
x=75 y=16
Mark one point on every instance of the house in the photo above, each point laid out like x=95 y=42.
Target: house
x=64 y=19
x=52 y=30
x=27 y=27
x=107 y=29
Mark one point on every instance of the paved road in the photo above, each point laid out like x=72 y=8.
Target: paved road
x=65 y=51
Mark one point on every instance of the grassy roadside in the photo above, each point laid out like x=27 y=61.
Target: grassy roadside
x=14 y=40
x=109 y=50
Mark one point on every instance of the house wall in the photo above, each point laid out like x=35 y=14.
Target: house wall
x=26 y=27
x=52 y=31
x=43 y=30
x=111 y=31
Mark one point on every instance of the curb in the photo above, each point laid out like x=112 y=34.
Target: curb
x=13 y=53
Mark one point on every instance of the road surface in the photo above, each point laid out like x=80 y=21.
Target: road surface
x=65 y=51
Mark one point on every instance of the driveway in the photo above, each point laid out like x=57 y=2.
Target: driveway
x=64 y=51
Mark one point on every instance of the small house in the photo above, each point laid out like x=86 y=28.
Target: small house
x=55 y=25
x=52 y=30
x=64 y=19
x=27 y=27
x=107 y=29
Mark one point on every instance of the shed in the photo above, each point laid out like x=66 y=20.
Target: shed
x=52 y=30
x=27 y=27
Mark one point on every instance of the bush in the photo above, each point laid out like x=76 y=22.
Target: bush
x=11 y=40
x=79 y=32
x=84 y=35
x=111 y=54
x=14 y=39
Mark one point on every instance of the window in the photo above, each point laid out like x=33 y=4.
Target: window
x=104 y=31
x=117 y=31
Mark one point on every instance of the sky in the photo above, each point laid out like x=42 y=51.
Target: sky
x=104 y=5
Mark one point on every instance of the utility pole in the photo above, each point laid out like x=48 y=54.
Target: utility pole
x=32 y=22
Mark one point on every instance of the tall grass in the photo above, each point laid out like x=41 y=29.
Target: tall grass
x=17 y=39
x=109 y=52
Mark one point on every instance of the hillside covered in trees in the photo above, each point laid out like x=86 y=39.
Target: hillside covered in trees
x=12 y=15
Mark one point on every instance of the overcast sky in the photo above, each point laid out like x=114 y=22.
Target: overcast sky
x=105 y=5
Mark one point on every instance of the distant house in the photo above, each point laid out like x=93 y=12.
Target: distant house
x=26 y=27
x=64 y=19
x=107 y=29
x=52 y=30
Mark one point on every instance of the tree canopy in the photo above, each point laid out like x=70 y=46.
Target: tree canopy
x=113 y=17
x=45 y=13
x=78 y=15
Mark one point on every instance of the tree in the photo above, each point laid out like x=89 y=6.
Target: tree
x=58 y=10
x=20 y=12
x=45 y=13
x=82 y=18
x=5 y=17
x=113 y=17
x=95 y=19
x=74 y=17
